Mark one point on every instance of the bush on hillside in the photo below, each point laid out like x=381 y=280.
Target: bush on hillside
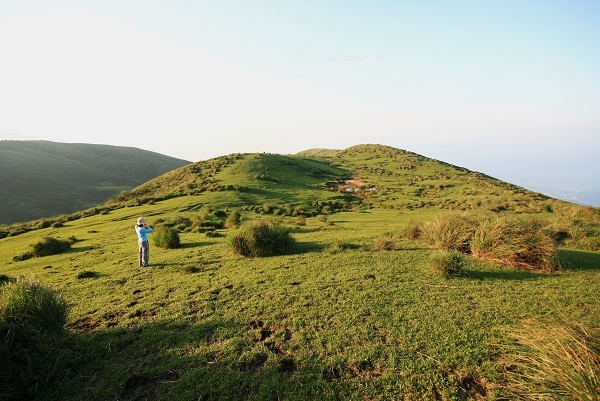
x=589 y=244
x=261 y=238
x=34 y=359
x=338 y=246
x=448 y=264
x=32 y=305
x=52 y=246
x=553 y=360
x=448 y=232
x=515 y=242
x=233 y=220
x=412 y=230
x=166 y=237
x=385 y=242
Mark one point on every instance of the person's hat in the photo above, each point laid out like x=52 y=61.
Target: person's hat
x=141 y=220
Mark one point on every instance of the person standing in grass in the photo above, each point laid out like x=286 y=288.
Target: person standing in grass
x=142 y=229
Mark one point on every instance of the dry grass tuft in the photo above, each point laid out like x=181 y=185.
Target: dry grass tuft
x=385 y=242
x=515 y=242
x=448 y=232
x=412 y=230
x=553 y=360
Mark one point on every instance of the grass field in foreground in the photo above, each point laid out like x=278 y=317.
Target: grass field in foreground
x=203 y=323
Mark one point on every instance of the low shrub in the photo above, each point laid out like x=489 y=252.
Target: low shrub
x=412 y=230
x=261 y=238
x=192 y=269
x=36 y=359
x=301 y=220
x=23 y=256
x=553 y=360
x=51 y=246
x=448 y=232
x=448 y=264
x=87 y=274
x=384 y=242
x=233 y=220
x=515 y=242
x=30 y=304
x=166 y=237
x=589 y=243
x=322 y=218
x=338 y=246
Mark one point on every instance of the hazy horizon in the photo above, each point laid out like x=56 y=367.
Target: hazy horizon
x=509 y=89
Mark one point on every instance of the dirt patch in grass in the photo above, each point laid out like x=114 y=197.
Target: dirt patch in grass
x=254 y=364
x=287 y=365
x=85 y=324
x=364 y=369
x=472 y=388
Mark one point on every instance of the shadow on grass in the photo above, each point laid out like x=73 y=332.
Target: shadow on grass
x=307 y=247
x=197 y=244
x=508 y=274
x=80 y=249
x=580 y=260
x=129 y=364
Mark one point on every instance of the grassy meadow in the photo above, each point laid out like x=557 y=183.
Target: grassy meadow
x=340 y=317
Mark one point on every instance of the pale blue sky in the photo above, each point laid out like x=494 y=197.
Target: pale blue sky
x=511 y=89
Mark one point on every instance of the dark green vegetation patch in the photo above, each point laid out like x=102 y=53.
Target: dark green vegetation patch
x=44 y=179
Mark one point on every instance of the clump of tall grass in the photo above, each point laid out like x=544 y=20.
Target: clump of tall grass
x=34 y=359
x=516 y=242
x=448 y=232
x=29 y=303
x=553 y=360
x=338 y=246
x=261 y=238
x=52 y=246
x=234 y=218
x=166 y=237
x=448 y=264
x=412 y=230
x=384 y=242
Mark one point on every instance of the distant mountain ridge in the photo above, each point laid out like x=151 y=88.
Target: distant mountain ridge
x=43 y=178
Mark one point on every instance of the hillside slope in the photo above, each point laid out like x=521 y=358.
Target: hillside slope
x=363 y=176
x=356 y=311
x=42 y=179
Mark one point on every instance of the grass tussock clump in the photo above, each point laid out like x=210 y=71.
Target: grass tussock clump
x=261 y=238
x=516 y=242
x=338 y=246
x=553 y=360
x=35 y=356
x=30 y=304
x=166 y=237
x=448 y=264
x=412 y=230
x=385 y=242
x=52 y=246
x=448 y=232
x=233 y=220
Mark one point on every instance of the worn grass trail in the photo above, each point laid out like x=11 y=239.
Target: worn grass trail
x=203 y=323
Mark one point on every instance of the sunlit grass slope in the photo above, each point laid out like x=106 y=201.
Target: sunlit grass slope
x=336 y=319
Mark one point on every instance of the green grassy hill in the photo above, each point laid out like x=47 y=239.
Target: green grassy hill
x=356 y=311
x=43 y=179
